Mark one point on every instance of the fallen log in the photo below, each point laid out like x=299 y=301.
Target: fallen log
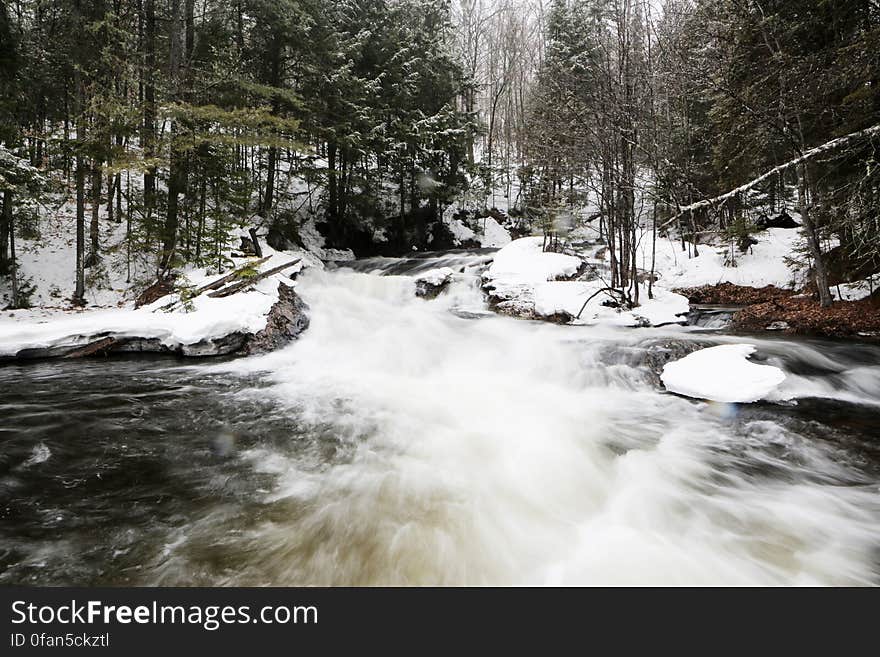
x=237 y=287
x=220 y=282
x=96 y=347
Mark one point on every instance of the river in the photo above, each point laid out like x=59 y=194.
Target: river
x=404 y=441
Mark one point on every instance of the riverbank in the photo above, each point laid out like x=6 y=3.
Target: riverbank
x=770 y=308
x=801 y=315
x=252 y=308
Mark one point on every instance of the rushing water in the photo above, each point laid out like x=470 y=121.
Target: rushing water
x=403 y=441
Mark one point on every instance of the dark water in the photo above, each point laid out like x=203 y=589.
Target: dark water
x=101 y=460
x=370 y=454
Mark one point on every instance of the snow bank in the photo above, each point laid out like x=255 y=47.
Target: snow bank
x=209 y=318
x=527 y=281
x=524 y=261
x=855 y=291
x=569 y=296
x=490 y=234
x=764 y=264
x=722 y=374
x=460 y=232
x=494 y=234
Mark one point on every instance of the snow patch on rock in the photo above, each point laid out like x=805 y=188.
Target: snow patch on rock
x=314 y=243
x=722 y=374
x=524 y=261
x=489 y=233
x=568 y=297
x=438 y=276
x=494 y=234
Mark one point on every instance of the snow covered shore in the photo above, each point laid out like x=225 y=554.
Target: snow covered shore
x=203 y=326
x=525 y=281
x=765 y=263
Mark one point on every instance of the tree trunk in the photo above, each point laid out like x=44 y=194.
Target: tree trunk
x=96 y=209
x=201 y=227
x=177 y=173
x=269 y=197
x=13 y=263
x=148 y=140
x=79 y=290
x=819 y=271
x=332 y=192
x=111 y=191
x=5 y=229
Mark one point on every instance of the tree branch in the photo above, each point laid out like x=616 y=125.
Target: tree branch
x=834 y=144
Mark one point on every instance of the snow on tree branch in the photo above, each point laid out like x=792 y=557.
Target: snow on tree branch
x=832 y=145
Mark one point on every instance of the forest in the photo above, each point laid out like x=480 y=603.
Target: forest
x=182 y=119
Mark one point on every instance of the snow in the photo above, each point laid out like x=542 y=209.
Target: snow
x=460 y=232
x=314 y=242
x=494 y=234
x=490 y=234
x=436 y=277
x=569 y=296
x=47 y=261
x=764 y=264
x=526 y=277
x=857 y=290
x=210 y=317
x=524 y=261
x=722 y=374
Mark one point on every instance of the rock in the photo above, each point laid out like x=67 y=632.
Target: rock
x=228 y=344
x=287 y=319
x=659 y=354
x=247 y=246
x=431 y=283
x=782 y=220
x=778 y=326
x=745 y=243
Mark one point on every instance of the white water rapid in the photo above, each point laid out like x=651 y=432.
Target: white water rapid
x=441 y=444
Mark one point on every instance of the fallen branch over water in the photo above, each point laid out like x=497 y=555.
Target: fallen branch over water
x=220 y=282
